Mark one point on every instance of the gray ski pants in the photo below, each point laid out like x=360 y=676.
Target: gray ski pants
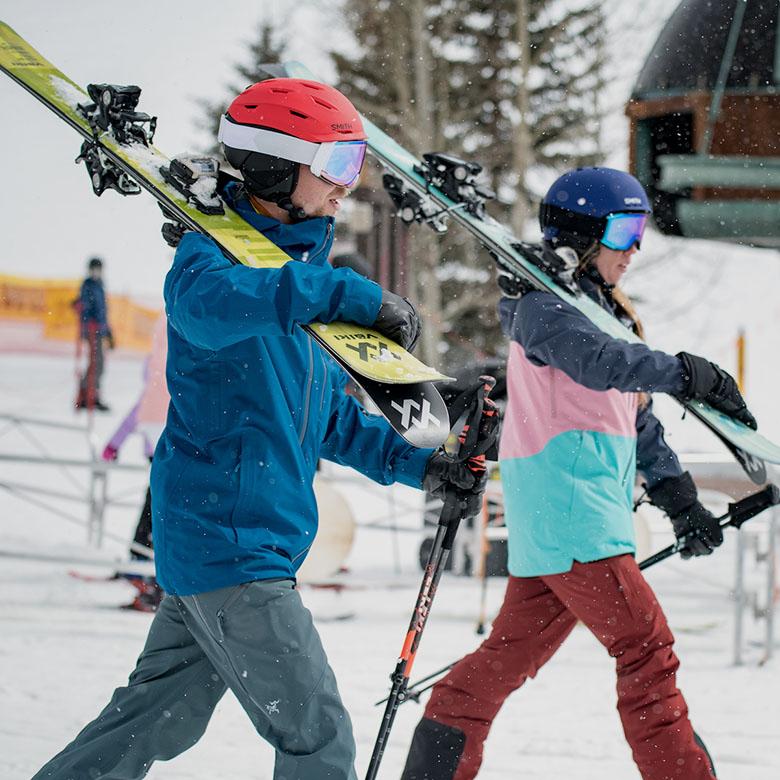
x=256 y=639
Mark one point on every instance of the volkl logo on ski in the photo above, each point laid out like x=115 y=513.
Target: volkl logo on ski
x=410 y=405
x=368 y=349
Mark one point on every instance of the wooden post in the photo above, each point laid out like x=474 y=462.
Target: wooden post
x=741 y=360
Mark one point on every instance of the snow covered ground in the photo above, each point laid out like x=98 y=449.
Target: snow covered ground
x=65 y=646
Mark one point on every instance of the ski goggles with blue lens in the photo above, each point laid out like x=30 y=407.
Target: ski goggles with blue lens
x=623 y=231
x=341 y=164
x=337 y=162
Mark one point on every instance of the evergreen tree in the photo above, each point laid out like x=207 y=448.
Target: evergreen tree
x=268 y=47
x=512 y=84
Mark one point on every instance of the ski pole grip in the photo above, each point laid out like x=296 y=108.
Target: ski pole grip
x=450 y=513
x=741 y=511
x=452 y=529
x=478 y=435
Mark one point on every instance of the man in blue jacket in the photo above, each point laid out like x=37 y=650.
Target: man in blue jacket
x=93 y=316
x=254 y=404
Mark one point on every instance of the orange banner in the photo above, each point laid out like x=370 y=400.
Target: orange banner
x=50 y=302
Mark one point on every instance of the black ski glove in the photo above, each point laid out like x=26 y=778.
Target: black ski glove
x=677 y=496
x=444 y=475
x=704 y=381
x=398 y=320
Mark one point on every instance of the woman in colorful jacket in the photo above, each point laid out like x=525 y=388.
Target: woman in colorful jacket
x=578 y=425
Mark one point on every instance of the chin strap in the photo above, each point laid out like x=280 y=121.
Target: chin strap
x=296 y=213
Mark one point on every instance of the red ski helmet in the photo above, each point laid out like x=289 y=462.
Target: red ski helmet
x=274 y=126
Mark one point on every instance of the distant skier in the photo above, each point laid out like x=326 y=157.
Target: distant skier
x=578 y=424
x=254 y=403
x=94 y=329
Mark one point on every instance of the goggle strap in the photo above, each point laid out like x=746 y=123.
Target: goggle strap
x=321 y=157
x=287 y=147
x=572 y=221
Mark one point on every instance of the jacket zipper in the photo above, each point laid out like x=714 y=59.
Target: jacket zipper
x=307 y=397
x=302 y=552
x=305 y=425
x=324 y=378
x=316 y=252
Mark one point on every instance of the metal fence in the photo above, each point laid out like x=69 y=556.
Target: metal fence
x=86 y=473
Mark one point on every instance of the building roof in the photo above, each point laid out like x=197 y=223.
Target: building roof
x=688 y=53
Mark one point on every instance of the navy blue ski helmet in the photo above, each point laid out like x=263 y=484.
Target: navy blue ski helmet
x=595 y=204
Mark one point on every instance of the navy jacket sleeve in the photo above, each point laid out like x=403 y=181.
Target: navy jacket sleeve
x=92 y=299
x=367 y=443
x=554 y=333
x=213 y=303
x=87 y=301
x=655 y=459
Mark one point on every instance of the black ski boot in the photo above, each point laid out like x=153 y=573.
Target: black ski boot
x=149 y=596
x=700 y=742
x=435 y=752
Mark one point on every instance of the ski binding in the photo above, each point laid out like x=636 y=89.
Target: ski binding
x=453 y=176
x=195 y=177
x=559 y=264
x=411 y=206
x=456 y=178
x=113 y=110
x=104 y=174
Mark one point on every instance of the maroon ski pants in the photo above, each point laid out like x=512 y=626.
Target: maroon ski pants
x=613 y=600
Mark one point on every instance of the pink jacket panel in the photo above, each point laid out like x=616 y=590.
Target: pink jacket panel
x=544 y=402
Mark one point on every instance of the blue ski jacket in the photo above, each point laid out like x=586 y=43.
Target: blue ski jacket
x=93 y=309
x=574 y=432
x=254 y=404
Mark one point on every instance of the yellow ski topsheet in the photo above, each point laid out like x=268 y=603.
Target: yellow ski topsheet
x=365 y=351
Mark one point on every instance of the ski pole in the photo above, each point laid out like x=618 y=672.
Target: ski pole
x=413 y=693
x=470 y=449
x=737 y=514
x=483 y=555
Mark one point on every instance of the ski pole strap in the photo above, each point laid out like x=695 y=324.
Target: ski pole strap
x=476 y=443
x=481 y=428
x=738 y=513
x=412 y=691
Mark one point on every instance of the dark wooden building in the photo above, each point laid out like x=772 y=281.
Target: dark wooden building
x=705 y=122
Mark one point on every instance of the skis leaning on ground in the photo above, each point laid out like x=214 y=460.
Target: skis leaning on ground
x=118 y=153
x=439 y=189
